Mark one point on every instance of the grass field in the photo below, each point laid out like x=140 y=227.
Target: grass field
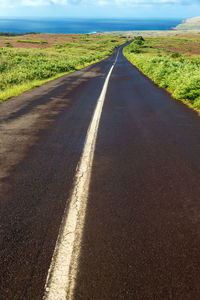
x=171 y=62
x=34 y=59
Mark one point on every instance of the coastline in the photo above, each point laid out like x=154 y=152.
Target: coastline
x=85 y=26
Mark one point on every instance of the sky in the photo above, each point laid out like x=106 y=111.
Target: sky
x=100 y=8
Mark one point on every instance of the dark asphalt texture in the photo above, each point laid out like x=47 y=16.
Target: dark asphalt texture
x=142 y=231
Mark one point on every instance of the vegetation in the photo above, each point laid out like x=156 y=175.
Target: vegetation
x=172 y=68
x=7 y=44
x=135 y=46
x=15 y=34
x=32 y=42
x=24 y=68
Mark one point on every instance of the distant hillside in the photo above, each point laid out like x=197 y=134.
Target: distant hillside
x=189 y=24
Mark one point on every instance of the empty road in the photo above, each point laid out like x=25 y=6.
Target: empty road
x=100 y=190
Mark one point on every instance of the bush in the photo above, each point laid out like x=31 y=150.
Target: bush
x=7 y=44
x=175 y=55
x=139 y=38
x=135 y=49
x=138 y=42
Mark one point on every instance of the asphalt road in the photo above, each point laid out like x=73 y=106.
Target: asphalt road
x=141 y=236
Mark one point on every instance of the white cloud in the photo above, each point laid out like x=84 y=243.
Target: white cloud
x=43 y=2
x=138 y=2
x=38 y=3
x=59 y=2
x=7 y=3
x=34 y=3
x=103 y=2
x=149 y=2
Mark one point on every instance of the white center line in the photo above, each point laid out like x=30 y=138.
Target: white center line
x=62 y=273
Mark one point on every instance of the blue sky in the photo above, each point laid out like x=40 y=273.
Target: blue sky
x=100 y=8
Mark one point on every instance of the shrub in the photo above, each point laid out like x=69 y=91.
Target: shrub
x=138 y=42
x=9 y=45
x=135 y=49
x=175 y=55
x=139 y=38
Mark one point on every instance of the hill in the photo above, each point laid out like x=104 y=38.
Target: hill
x=189 y=24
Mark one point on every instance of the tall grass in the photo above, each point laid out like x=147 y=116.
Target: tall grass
x=21 y=69
x=32 y=42
x=176 y=72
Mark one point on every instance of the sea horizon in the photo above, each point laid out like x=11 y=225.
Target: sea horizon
x=84 y=25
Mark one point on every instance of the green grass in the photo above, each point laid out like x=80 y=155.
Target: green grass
x=179 y=73
x=32 y=42
x=7 y=44
x=22 y=69
x=16 y=90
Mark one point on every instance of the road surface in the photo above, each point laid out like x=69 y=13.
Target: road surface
x=140 y=228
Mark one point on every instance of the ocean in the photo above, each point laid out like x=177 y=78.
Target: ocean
x=84 y=25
